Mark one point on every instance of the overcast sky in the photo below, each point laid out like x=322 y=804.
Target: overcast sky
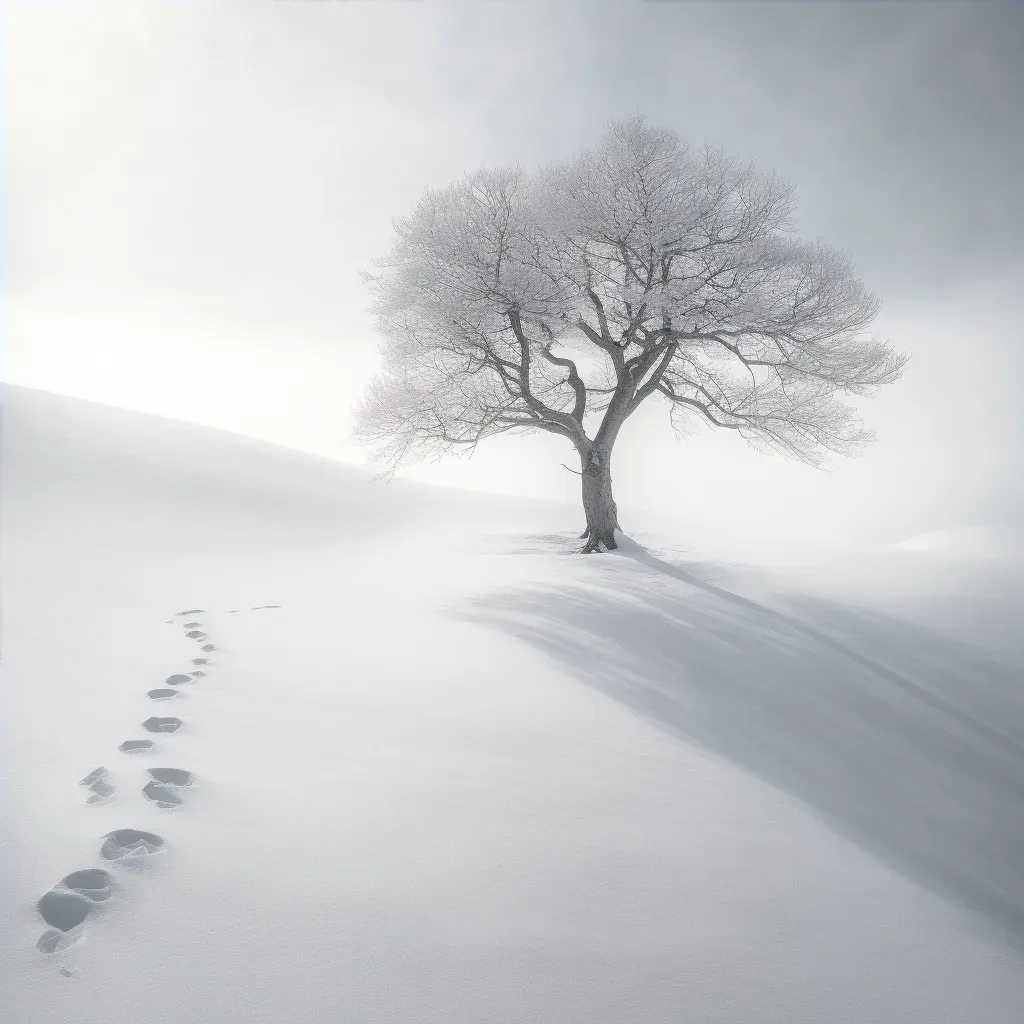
x=190 y=191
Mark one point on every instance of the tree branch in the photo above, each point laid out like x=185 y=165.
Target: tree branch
x=574 y=379
x=693 y=403
x=652 y=382
x=566 y=424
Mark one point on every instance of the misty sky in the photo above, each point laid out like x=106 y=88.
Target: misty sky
x=190 y=191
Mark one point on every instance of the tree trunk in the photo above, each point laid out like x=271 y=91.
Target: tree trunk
x=598 y=503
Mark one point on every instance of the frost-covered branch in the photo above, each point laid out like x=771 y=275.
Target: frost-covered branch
x=669 y=272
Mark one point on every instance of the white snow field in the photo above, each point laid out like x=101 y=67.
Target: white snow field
x=461 y=775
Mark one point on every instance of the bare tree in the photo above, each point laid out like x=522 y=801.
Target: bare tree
x=666 y=272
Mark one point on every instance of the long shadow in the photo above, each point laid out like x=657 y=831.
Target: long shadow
x=903 y=741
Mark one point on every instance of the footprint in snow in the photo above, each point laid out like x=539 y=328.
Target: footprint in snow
x=96 y=782
x=130 y=842
x=166 y=785
x=101 y=791
x=156 y=724
x=135 y=746
x=190 y=611
x=173 y=777
x=162 y=694
x=162 y=796
x=66 y=906
x=198 y=674
x=191 y=625
x=260 y=607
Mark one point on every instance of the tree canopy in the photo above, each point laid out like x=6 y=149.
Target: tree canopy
x=645 y=268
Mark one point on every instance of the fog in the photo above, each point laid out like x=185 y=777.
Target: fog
x=190 y=192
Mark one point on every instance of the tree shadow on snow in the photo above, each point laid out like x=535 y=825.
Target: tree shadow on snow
x=908 y=743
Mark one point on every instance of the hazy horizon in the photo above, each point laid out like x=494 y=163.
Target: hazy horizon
x=190 y=192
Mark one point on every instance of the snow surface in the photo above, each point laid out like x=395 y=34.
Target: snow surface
x=463 y=775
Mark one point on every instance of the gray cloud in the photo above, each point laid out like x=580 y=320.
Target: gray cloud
x=168 y=148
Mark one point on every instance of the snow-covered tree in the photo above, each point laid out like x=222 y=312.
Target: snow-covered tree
x=644 y=269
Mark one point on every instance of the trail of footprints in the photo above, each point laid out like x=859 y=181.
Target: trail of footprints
x=69 y=903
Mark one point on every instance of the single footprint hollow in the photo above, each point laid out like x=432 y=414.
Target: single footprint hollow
x=200 y=661
x=155 y=724
x=162 y=694
x=191 y=625
x=177 y=679
x=64 y=912
x=190 y=611
x=129 y=842
x=135 y=746
x=95 y=883
x=101 y=790
x=172 y=776
x=196 y=634
x=94 y=776
x=51 y=941
x=198 y=674
x=208 y=647
x=162 y=796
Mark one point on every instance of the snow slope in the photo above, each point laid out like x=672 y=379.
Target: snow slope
x=461 y=775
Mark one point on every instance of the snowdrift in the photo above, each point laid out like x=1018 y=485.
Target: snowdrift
x=282 y=744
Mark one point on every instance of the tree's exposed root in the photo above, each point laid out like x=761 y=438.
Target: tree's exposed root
x=598 y=542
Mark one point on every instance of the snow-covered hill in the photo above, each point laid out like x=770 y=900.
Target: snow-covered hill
x=441 y=770
x=967 y=541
